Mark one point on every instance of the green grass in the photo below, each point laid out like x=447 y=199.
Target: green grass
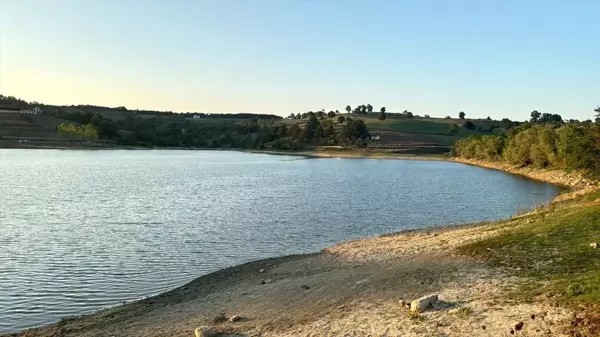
x=432 y=126
x=463 y=312
x=552 y=249
x=49 y=122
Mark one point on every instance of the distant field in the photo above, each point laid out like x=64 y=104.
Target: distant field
x=217 y=120
x=15 y=125
x=438 y=126
x=49 y=122
x=396 y=137
x=433 y=126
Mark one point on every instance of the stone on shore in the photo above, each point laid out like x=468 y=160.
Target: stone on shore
x=205 y=331
x=421 y=304
x=235 y=318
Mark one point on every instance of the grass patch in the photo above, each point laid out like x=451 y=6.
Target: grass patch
x=416 y=126
x=551 y=248
x=415 y=317
x=462 y=312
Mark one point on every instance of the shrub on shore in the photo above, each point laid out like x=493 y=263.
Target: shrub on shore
x=574 y=146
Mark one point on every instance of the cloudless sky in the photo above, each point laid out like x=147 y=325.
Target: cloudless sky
x=487 y=58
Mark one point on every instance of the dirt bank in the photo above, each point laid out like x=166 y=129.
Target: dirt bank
x=570 y=179
x=351 y=289
x=352 y=154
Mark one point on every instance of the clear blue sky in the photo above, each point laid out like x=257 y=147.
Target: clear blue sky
x=497 y=58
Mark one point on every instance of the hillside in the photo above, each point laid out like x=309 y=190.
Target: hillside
x=119 y=126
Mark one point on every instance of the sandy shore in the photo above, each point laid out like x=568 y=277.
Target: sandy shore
x=351 y=289
x=352 y=154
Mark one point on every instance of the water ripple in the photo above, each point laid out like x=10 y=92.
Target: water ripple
x=85 y=230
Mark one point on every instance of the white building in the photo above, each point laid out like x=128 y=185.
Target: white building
x=34 y=111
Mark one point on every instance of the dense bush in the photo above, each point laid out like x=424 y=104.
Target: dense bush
x=563 y=146
x=84 y=131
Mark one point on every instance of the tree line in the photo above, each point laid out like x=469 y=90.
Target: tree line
x=572 y=146
x=11 y=101
x=249 y=131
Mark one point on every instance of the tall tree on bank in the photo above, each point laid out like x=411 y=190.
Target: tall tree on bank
x=382 y=115
x=369 y=108
x=348 y=108
x=597 y=110
x=461 y=115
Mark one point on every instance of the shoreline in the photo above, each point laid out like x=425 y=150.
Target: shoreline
x=349 y=154
x=205 y=285
x=575 y=179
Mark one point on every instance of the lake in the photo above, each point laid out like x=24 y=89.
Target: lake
x=83 y=230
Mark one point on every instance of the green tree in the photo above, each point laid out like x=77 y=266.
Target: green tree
x=597 y=110
x=453 y=129
x=461 y=115
x=369 y=108
x=382 y=116
x=282 y=131
x=363 y=109
x=469 y=125
x=331 y=114
x=329 y=131
x=382 y=109
x=341 y=119
x=348 y=108
x=296 y=131
x=535 y=116
x=352 y=130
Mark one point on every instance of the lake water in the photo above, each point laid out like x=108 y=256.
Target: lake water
x=82 y=230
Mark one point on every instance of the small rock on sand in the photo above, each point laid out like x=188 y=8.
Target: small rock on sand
x=261 y=270
x=305 y=287
x=235 y=318
x=267 y=281
x=220 y=318
x=204 y=331
x=421 y=304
